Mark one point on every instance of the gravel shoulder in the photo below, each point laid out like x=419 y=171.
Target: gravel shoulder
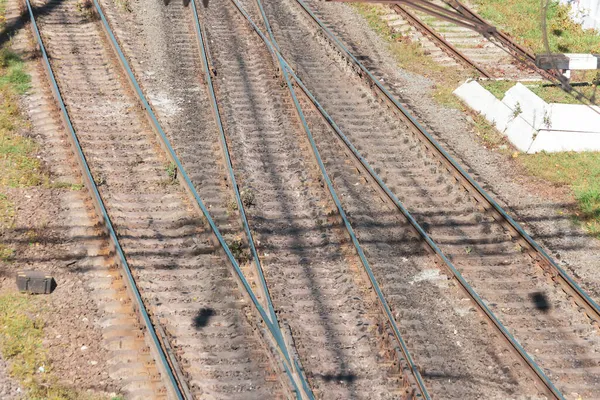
x=542 y=209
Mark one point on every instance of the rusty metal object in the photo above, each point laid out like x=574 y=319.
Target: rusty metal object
x=35 y=282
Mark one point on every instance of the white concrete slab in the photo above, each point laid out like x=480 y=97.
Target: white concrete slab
x=552 y=141
x=482 y=101
x=574 y=117
x=531 y=124
x=533 y=109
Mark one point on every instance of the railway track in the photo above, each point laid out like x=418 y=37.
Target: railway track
x=302 y=240
x=534 y=311
x=329 y=374
x=187 y=287
x=450 y=44
x=306 y=263
x=471 y=43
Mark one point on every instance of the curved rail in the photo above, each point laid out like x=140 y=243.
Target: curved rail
x=203 y=45
x=102 y=212
x=537 y=252
x=286 y=71
x=289 y=364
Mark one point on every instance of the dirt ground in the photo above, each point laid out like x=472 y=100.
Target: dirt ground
x=43 y=240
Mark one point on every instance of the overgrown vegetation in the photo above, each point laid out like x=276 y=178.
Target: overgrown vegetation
x=412 y=57
x=124 y=5
x=238 y=249
x=171 y=169
x=21 y=339
x=581 y=171
x=87 y=9
x=18 y=166
x=13 y=73
x=488 y=133
x=522 y=19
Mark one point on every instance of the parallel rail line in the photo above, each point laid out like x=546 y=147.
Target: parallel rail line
x=537 y=253
x=168 y=365
x=208 y=69
x=522 y=55
x=90 y=184
x=301 y=385
x=388 y=193
x=446 y=46
x=547 y=263
x=289 y=364
x=287 y=74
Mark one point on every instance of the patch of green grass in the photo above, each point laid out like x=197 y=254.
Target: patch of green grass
x=7 y=212
x=548 y=92
x=498 y=88
x=12 y=72
x=488 y=133
x=171 y=169
x=411 y=57
x=521 y=18
x=21 y=343
x=21 y=335
x=6 y=253
x=124 y=5
x=75 y=187
x=581 y=171
x=18 y=166
x=2 y=11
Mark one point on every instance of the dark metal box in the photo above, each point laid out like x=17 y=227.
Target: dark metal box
x=35 y=282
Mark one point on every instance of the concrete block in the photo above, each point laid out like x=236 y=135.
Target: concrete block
x=482 y=101
x=520 y=133
x=571 y=127
x=574 y=117
x=552 y=141
x=533 y=108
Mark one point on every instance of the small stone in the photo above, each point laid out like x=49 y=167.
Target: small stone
x=93 y=362
x=83 y=348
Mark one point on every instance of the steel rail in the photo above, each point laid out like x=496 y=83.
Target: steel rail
x=285 y=69
x=207 y=65
x=513 y=343
x=505 y=42
x=480 y=195
x=437 y=38
x=289 y=364
x=88 y=178
x=434 y=10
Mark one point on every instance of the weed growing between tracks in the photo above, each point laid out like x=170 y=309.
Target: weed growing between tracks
x=411 y=57
x=581 y=171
